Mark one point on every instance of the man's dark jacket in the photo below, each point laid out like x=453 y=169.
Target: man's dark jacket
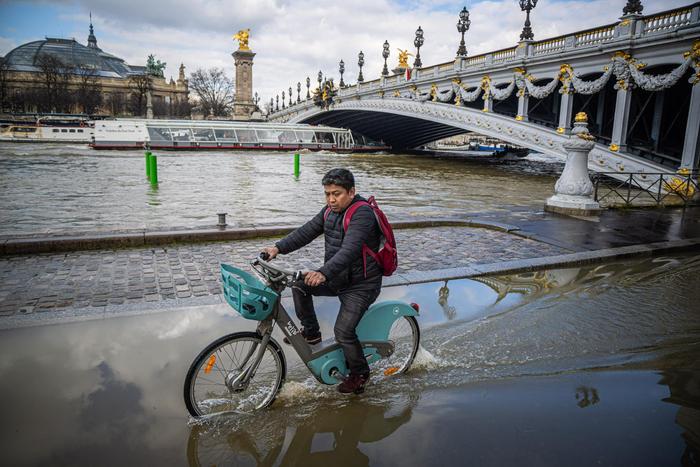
x=343 y=265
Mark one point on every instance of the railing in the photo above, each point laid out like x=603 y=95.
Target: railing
x=595 y=36
x=549 y=46
x=646 y=189
x=667 y=20
x=503 y=55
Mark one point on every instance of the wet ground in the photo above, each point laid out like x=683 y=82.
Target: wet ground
x=580 y=366
x=71 y=188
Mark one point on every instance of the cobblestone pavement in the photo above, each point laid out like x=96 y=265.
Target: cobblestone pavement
x=44 y=282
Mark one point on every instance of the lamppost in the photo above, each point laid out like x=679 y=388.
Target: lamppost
x=527 y=5
x=319 y=78
x=298 y=92
x=385 y=54
x=277 y=107
x=291 y=102
x=360 y=63
x=283 y=100
x=418 y=42
x=308 y=86
x=633 y=7
x=341 y=68
x=462 y=27
x=272 y=105
x=257 y=99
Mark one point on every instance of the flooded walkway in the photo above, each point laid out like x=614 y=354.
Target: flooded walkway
x=553 y=367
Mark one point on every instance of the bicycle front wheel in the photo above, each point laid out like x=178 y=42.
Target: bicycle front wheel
x=211 y=384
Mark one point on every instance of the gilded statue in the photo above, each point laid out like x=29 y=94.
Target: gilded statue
x=242 y=37
x=403 y=58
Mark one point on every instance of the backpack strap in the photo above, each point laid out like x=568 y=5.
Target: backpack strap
x=346 y=222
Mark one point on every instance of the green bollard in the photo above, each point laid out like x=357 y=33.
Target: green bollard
x=296 y=165
x=148 y=165
x=154 y=170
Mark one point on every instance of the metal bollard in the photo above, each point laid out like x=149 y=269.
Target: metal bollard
x=222 y=220
x=297 y=170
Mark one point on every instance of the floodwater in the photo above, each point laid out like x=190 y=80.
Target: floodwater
x=578 y=366
x=72 y=188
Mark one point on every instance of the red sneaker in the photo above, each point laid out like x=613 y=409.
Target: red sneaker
x=354 y=384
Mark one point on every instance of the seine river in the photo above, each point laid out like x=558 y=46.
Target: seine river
x=59 y=188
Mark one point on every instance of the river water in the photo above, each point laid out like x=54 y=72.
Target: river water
x=579 y=366
x=71 y=188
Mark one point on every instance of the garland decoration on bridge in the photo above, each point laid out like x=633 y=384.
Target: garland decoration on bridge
x=464 y=95
x=591 y=87
x=504 y=93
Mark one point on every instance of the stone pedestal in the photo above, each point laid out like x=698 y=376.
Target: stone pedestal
x=243 y=105
x=573 y=192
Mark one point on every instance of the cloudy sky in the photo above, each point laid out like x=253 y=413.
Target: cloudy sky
x=294 y=39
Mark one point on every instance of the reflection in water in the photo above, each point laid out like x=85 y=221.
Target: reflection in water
x=328 y=436
x=586 y=396
x=684 y=386
x=152 y=195
x=443 y=295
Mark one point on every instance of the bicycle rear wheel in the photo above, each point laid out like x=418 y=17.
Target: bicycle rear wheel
x=405 y=335
x=208 y=385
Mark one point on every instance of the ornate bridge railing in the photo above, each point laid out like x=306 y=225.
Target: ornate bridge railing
x=646 y=189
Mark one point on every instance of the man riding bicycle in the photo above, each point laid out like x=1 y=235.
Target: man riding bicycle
x=354 y=279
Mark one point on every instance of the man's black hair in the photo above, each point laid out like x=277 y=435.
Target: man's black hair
x=340 y=177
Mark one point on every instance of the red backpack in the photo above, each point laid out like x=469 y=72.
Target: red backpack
x=387 y=257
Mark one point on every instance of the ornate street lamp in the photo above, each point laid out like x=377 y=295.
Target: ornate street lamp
x=272 y=105
x=360 y=63
x=341 y=68
x=633 y=7
x=283 y=100
x=308 y=86
x=277 y=107
x=527 y=5
x=319 y=78
x=418 y=42
x=385 y=54
x=257 y=99
x=291 y=102
x=298 y=92
x=462 y=27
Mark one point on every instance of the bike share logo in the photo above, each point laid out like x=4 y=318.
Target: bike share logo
x=396 y=310
x=291 y=329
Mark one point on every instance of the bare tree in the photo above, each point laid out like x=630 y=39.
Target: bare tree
x=140 y=85
x=181 y=108
x=214 y=90
x=55 y=78
x=116 y=103
x=89 y=92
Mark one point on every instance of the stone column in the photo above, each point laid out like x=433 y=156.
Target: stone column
x=691 y=150
x=523 y=105
x=488 y=103
x=622 y=117
x=573 y=192
x=243 y=105
x=566 y=110
x=149 y=105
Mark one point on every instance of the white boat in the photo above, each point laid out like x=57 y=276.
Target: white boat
x=214 y=135
x=49 y=130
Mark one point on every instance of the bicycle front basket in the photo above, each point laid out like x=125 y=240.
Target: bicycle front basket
x=247 y=294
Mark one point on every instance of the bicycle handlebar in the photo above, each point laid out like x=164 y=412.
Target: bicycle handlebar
x=263 y=260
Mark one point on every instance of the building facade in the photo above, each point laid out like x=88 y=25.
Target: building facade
x=62 y=75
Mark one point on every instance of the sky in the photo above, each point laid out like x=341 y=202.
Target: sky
x=294 y=39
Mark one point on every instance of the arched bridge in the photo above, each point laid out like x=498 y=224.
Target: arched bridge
x=638 y=79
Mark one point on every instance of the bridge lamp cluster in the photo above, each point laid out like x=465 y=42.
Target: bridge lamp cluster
x=462 y=27
x=418 y=42
x=360 y=63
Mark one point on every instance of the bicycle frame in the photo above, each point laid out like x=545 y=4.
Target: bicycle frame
x=326 y=361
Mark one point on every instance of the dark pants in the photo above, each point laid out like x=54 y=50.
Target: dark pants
x=354 y=301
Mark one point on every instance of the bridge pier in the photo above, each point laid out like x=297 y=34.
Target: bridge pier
x=691 y=151
x=573 y=192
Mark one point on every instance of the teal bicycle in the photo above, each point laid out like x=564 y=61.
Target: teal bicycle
x=244 y=371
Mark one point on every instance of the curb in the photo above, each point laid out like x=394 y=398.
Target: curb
x=139 y=238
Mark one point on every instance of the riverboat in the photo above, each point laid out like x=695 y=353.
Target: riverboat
x=216 y=135
x=48 y=130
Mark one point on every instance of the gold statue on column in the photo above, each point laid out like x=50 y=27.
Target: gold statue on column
x=242 y=37
x=403 y=58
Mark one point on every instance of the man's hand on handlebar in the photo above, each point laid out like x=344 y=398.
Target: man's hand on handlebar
x=314 y=278
x=269 y=253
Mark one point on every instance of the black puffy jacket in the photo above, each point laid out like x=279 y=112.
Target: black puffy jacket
x=343 y=263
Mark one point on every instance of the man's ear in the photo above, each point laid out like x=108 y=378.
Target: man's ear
x=351 y=192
